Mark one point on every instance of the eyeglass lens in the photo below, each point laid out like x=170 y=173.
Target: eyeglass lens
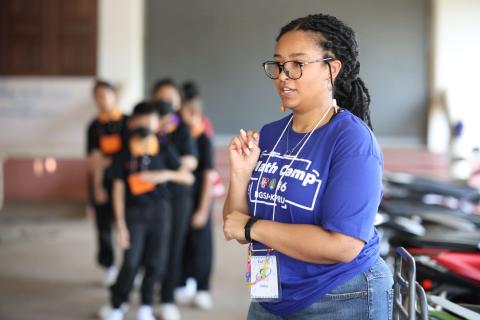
x=292 y=69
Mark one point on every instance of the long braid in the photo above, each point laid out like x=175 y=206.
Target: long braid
x=338 y=39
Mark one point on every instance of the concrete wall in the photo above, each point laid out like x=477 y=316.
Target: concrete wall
x=222 y=43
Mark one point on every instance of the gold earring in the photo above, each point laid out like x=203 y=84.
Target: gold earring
x=282 y=108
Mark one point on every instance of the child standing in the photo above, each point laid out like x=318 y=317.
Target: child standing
x=104 y=140
x=175 y=131
x=142 y=208
x=199 y=249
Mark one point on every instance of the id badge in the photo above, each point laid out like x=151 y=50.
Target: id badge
x=265 y=281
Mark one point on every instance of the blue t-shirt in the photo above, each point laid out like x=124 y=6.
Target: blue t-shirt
x=335 y=182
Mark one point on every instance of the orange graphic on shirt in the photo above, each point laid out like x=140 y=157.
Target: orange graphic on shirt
x=138 y=185
x=110 y=144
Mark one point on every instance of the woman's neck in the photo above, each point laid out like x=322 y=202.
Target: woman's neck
x=304 y=121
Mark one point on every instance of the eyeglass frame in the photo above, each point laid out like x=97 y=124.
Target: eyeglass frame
x=282 y=69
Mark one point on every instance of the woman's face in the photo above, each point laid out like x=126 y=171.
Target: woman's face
x=105 y=99
x=313 y=86
x=169 y=94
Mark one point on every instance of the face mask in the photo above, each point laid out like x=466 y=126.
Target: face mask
x=142 y=132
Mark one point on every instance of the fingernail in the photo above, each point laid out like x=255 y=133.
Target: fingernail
x=242 y=132
x=250 y=144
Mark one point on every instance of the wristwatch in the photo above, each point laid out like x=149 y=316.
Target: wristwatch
x=248 y=227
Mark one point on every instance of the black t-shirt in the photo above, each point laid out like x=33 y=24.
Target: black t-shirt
x=97 y=130
x=182 y=140
x=205 y=161
x=125 y=165
x=109 y=138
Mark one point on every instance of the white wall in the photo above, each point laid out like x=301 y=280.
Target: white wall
x=121 y=47
x=456 y=49
x=42 y=116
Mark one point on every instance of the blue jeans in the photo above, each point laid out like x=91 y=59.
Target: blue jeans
x=367 y=296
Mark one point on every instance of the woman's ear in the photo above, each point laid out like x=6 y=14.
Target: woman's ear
x=335 y=66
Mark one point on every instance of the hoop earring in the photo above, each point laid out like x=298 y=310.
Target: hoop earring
x=282 y=108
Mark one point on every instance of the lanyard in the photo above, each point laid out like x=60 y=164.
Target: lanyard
x=140 y=164
x=288 y=167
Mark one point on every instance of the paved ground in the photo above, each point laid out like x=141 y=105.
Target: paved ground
x=47 y=269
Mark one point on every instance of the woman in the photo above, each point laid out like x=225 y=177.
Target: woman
x=304 y=191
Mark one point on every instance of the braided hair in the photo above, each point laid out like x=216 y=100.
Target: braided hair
x=338 y=40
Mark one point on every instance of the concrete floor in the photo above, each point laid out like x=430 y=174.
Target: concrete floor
x=47 y=268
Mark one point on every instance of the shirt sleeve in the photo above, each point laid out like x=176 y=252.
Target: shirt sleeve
x=92 y=138
x=352 y=196
x=185 y=143
x=172 y=158
x=118 y=170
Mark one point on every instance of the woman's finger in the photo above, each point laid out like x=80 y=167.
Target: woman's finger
x=244 y=138
x=251 y=139
x=237 y=145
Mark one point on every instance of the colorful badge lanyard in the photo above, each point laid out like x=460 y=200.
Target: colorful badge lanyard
x=269 y=250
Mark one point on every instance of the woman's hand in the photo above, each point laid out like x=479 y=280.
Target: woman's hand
x=244 y=152
x=234 y=226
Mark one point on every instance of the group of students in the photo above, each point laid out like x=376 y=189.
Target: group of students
x=151 y=176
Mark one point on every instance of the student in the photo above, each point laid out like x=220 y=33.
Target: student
x=199 y=249
x=305 y=190
x=175 y=131
x=142 y=208
x=191 y=92
x=166 y=90
x=104 y=140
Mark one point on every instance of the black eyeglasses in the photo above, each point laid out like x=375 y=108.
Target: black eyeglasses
x=293 y=69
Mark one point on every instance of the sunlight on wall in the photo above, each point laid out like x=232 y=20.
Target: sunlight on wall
x=456 y=68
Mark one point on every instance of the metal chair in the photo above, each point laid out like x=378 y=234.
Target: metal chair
x=410 y=300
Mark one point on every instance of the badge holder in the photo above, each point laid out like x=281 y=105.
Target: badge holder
x=263 y=276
